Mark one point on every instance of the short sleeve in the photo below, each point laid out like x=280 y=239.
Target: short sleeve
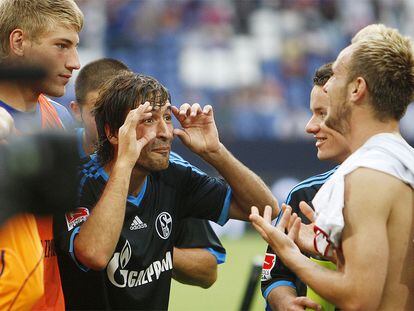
x=201 y=196
x=197 y=233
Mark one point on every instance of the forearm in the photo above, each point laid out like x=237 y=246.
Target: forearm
x=281 y=297
x=247 y=188
x=335 y=286
x=97 y=239
x=194 y=266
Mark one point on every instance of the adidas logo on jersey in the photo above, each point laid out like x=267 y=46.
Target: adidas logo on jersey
x=137 y=224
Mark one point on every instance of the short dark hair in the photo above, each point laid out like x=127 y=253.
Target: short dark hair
x=93 y=75
x=322 y=74
x=117 y=97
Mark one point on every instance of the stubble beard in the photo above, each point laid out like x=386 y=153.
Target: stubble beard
x=339 y=118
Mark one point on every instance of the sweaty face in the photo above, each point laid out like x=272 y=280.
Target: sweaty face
x=339 y=113
x=56 y=50
x=155 y=155
x=331 y=144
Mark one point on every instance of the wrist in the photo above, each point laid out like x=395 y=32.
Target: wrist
x=215 y=155
x=123 y=166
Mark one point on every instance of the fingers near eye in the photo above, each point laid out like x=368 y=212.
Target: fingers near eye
x=195 y=110
x=185 y=109
x=208 y=109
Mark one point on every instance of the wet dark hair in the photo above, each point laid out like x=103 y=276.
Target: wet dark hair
x=117 y=97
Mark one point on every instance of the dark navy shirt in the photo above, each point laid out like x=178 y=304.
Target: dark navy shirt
x=138 y=276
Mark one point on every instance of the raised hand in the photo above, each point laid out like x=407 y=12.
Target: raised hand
x=306 y=234
x=282 y=243
x=129 y=144
x=198 y=129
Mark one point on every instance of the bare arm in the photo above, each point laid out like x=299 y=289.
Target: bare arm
x=365 y=250
x=194 y=266
x=199 y=133
x=97 y=239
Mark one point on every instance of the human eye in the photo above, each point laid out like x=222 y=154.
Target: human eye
x=149 y=121
x=167 y=117
x=61 y=46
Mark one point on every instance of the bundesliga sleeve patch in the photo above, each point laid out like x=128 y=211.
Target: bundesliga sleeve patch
x=268 y=264
x=76 y=217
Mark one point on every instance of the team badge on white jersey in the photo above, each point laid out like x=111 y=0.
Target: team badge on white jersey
x=137 y=223
x=163 y=224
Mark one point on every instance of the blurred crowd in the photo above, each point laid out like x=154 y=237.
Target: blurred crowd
x=253 y=60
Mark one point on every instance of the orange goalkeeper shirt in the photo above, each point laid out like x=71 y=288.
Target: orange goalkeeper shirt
x=21 y=263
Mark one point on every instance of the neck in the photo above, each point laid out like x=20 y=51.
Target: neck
x=88 y=144
x=363 y=128
x=19 y=96
x=137 y=180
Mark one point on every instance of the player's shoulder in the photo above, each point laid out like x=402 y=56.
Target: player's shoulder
x=90 y=167
x=58 y=107
x=309 y=186
x=62 y=112
x=178 y=163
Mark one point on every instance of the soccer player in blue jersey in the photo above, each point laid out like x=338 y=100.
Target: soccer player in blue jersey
x=197 y=248
x=281 y=288
x=133 y=179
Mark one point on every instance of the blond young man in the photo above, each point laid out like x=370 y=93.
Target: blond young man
x=43 y=33
x=371 y=197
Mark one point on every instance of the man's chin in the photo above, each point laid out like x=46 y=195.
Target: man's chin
x=154 y=167
x=55 y=92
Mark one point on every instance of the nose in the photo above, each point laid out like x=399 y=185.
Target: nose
x=165 y=130
x=73 y=60
x=313 y=126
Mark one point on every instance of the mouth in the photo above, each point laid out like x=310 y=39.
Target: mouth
x=66 y=77
x=163 y=150
x=319 y=141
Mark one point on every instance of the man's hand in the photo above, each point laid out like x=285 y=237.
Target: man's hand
x=199 y=131
x=283 y=244
x=129 y=144
x=6 y=124
x=284 y=298
x=301 y=303
x=306 y=234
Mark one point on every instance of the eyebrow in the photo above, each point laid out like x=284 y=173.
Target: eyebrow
x=67 y=41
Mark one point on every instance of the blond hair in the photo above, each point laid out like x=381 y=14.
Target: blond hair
x=35 y=17
x=384 y=59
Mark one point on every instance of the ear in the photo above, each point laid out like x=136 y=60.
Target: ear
x=76 y=111
x=358 y=90
x=113 y=139
x=16 y=40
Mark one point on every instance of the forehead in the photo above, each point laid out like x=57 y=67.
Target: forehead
x=59 y=31
x=343 y=59
x=162 y=109
x=318 y=99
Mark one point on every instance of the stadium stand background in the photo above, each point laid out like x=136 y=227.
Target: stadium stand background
x=253 y=60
